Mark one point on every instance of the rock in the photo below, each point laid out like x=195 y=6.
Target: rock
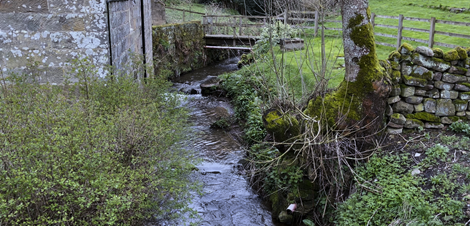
x=434 y=93
x=462 y=53
x=393 y=100
x=454 y=62
x=458 y=70
x=388 y=111
x=445 y=94
x=446 y=121
x=429 y=87
x=433 y=125
x=438 y=52
x=396 y=90
x=431 y=63
x=394 y=131
x=445 y=107
x=284 y=217
x=464 y=96
x=413 y=124
x=405 y=49
x=407 y=91
x=461 y=87
x=415 y=172
x=424 y=116
x=453 y=78
x=430 y=105
x=420 y=92
x=460 y=105
x=395 y=77
x=281 y=126
x=414 y=100
x=437 y=76
x=414 y=81
x=419 y=107
x=460 y=113
x=209 y=86
x=403 y=107
x=193 y=91
x=443 y=85
x=422 y=72
x=394 y=125
x=406 y=69
x=424 y=51
x=451 y=55
x=398 y=118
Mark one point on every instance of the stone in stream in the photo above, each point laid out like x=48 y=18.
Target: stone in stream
x=210 y=86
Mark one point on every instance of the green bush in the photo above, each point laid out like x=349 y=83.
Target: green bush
x=99 y=152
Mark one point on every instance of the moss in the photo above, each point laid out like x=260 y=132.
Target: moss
x=462 y=53
x=427 y=75
x=465 y=84
x=414 y=81
x=396 y=76
x=454 y=118
x=451 y=55
x=424 y=116
x=355 y=21
x=417 y=121
x=406 y=49
x=396 y=115
x=282 y=126
x=460 y=101
x=438 y=52
x=395 y=55
x=348 y=100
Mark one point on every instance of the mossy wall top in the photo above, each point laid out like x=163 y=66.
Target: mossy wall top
x=431 y=87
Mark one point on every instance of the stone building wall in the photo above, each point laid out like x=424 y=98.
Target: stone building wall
x=431 y=88
x=53 y=32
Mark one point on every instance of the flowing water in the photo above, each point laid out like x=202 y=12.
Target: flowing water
x=227 y=198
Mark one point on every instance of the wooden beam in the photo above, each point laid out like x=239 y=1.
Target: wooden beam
x=228 y=47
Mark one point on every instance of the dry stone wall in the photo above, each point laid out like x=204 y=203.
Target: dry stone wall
x=431 y=88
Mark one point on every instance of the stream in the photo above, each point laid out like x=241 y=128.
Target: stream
x=227 y=198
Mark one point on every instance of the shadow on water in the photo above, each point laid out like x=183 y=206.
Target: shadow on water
x=227 y=199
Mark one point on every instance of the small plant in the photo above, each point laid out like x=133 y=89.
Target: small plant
x=460 y=127
x=272 y=34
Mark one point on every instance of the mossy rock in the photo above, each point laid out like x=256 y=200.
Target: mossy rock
x=413 y=81
x=424 y=116
x=439 y=53
x=396 y=77
x=394 y=56
x=281 y=126
x=451 y=55
x=406 y=49
x=386 y=66
x=462 y=53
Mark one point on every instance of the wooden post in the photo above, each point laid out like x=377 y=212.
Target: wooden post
x=240 y=29
x=234 y=31
x=372 y=20
x=184 y=15
x=285 y=16
x=431 y=32
x=400 y=29
x=316 y=23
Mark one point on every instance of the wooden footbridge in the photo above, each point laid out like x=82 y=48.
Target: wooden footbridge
x=231 y=32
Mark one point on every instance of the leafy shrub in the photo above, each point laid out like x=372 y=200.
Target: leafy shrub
x=272 y=34
x=460 y=127
x=99 y=152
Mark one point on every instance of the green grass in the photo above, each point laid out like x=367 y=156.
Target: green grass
x=176 y=16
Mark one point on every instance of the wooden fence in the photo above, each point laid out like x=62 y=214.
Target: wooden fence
x=237 y=25
x=185 y=11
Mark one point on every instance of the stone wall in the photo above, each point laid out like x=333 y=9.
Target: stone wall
x=431 y=87
x=126 y=31
x=53 y=32
x=179 y=48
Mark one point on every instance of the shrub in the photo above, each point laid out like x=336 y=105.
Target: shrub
x=99 y=152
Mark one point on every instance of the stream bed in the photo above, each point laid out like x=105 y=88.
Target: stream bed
x=227 y=198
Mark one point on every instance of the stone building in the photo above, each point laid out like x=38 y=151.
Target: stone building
x=52 y=32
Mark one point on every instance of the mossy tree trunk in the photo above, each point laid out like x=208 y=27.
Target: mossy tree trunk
x=360 y=101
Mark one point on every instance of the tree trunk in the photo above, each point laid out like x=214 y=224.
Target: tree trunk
x=360 y=101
